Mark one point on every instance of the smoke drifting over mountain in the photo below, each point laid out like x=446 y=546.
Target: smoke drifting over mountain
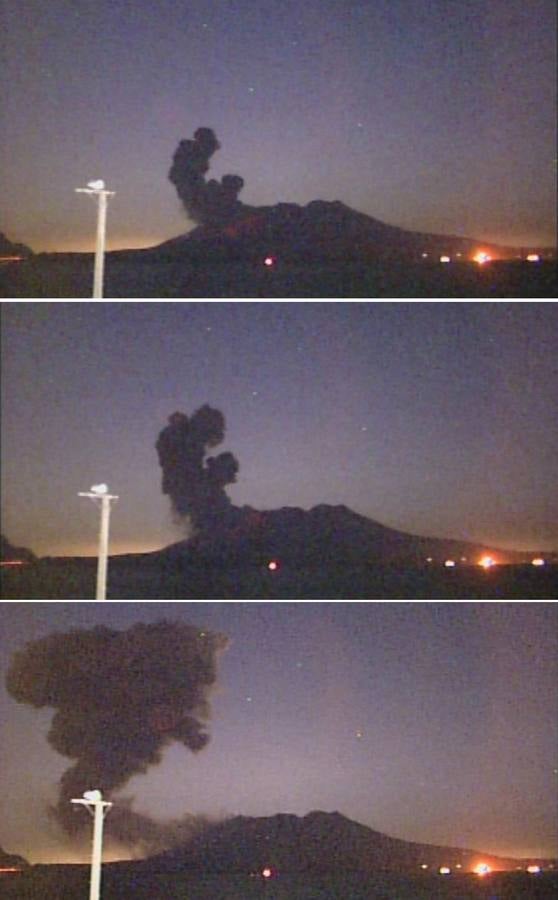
x=120 y=698
x=206 y=202
x=196 y=485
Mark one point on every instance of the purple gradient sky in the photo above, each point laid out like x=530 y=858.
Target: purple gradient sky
x=456 y=704
x=438 y=116
x=435 y=418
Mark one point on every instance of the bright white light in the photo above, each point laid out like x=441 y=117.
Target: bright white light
x=482 y=869
x=424 y=866
x=273 y=565
x=449 y=563
x=269 y=261
x=93 y=796
x=482 y=258
x=424 y=255
x=98 y=185
x=99 y=488
x=538 y=561
x=444 y=870
x=533 y=257
x=534 y=870
x=445 y=259
x=266 y=873
x=486 y=562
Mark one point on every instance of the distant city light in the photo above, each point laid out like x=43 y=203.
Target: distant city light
x=269 y=261
x=482 y=869
x=538 y=561
x=266 y=873
x=486 y=562
x=482 y=258
x=533 y=870
x=533 y=257
x=445 y=259
x=449 y=563
x=424 y=255
x=8 y=259
x=429 y=559
x=444 y=870
x=273 y=565
x=424 y=866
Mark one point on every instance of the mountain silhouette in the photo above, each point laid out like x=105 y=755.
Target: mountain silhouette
x=323 y=230
x=325 y=536
x=317 y=842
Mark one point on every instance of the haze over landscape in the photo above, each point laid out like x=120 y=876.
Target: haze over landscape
x=434 y=722
x=434 y=117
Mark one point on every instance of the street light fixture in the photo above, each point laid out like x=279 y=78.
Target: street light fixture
x=98 y=808
x=97 y=188
x=99 y=493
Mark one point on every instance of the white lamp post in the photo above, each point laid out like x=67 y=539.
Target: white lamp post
x=97 y=188
x=93 y=801
x=99 y=492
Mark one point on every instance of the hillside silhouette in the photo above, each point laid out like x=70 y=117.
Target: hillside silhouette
x=315 y=843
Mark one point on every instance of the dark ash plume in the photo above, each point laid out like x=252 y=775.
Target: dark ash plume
x=206 y=202
x=196 y=485
x=120 y=698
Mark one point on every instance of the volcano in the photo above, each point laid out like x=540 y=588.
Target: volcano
x=325 y=537
x=318 y=842
x=321 y=230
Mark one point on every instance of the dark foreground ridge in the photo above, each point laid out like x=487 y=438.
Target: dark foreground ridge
x=327 y=553
x=322 y=856
x=322 y=249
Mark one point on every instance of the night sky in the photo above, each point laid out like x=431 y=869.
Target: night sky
x=434 y=115
x=430 y=722
x=434 y=418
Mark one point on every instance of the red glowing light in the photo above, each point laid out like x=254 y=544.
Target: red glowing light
x=486 y=562
x=482 y=258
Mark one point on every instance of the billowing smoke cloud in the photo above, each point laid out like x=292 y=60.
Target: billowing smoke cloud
x=120 y=698
x=206 y=202
x=196 y=484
